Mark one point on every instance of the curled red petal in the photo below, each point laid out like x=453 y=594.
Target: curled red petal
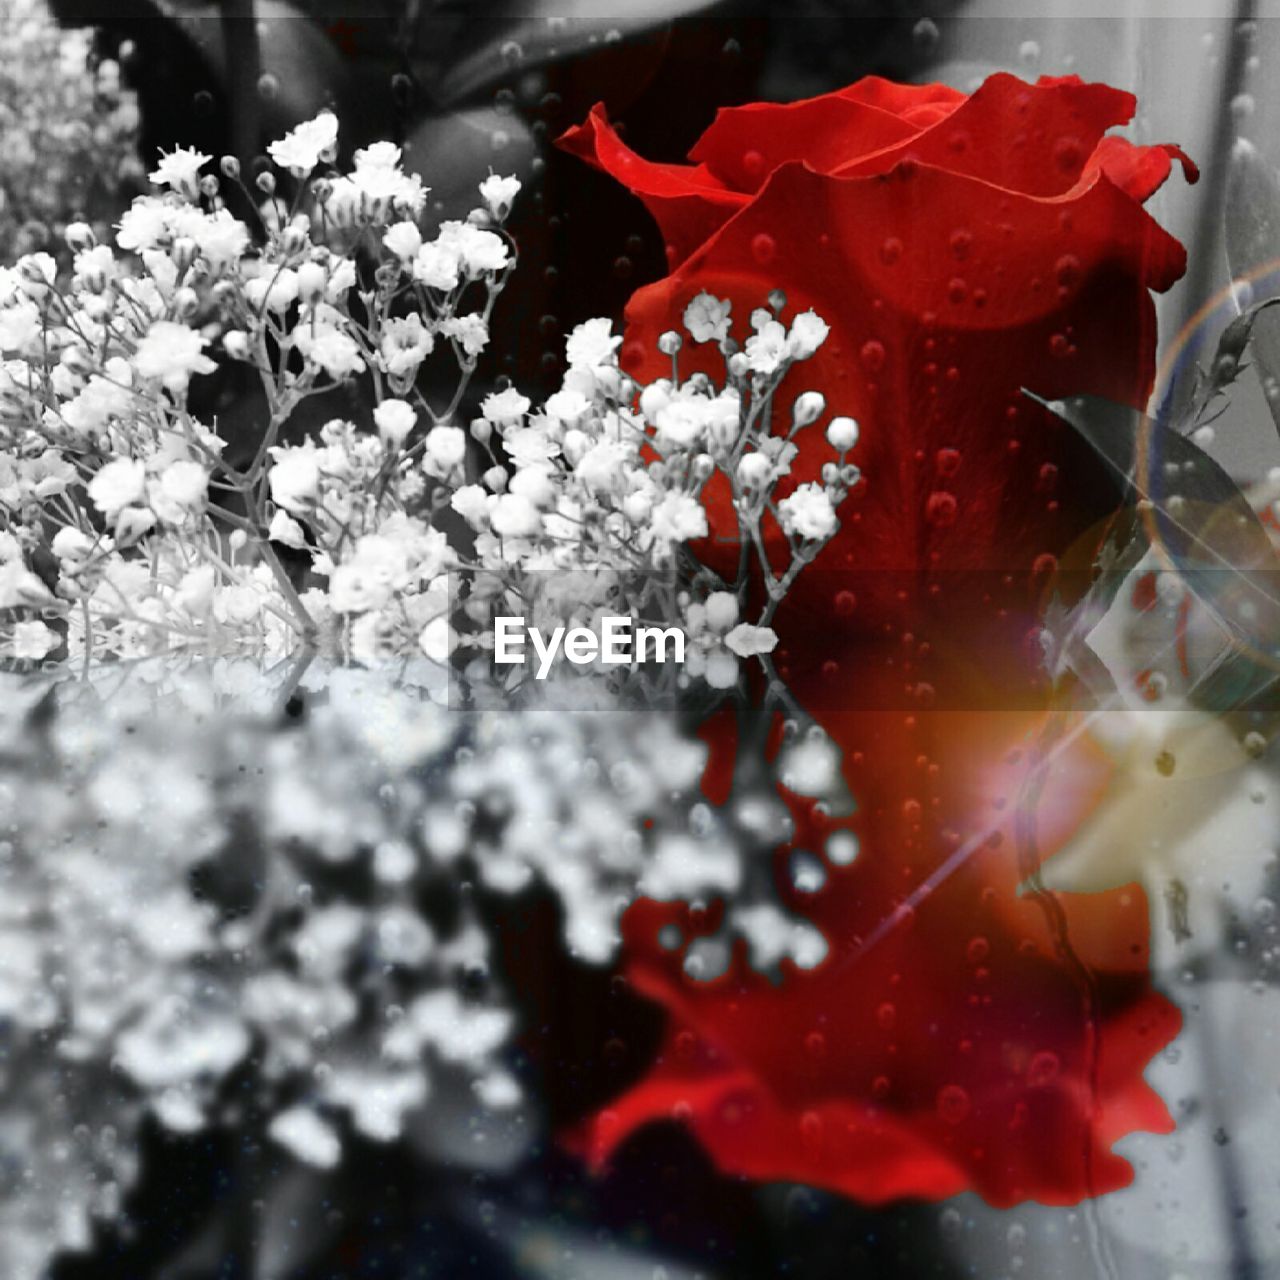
x=1032 y=138
x=919 y=104
x=688 y=202
x=746 y=144
x=960 y=470
x=1140 y=171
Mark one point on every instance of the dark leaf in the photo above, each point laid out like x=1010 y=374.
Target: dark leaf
x=1252 y=226
x=525 y=34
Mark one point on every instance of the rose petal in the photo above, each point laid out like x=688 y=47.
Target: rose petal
x=688 y=202
x=746 y=144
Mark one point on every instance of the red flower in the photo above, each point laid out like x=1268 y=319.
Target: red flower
x=960 y=1034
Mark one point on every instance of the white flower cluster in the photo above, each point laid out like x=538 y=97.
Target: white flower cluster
x=314 y=924
x=126 y=527
x=122 y=520
x=68 y=130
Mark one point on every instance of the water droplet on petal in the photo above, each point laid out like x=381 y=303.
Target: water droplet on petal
x=940 y=509
x=891 y=251
x=764 y=248
x=872 y=356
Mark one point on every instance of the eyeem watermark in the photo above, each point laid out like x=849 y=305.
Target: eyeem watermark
x=619 y=642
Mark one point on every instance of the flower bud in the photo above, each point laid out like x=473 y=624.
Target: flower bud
x=850 y=475
x=753 y=470
x=29 y=269
x=482 y=430
x=495 y=479
x=238 y=539
x=230 y=167
x=808 y=408
x=323 y=189
x=186 y=302
x=266 y=182
x=704 y=466
x=209 y=185
x=842 y=434
x=184 y=252
x=739 y=366
x=830 y=473
x=79 y=235
x=777 y=299
x=669 y=343
x=294 y=240
x=236 y=344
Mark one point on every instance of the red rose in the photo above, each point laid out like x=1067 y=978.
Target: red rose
x=960 y=1034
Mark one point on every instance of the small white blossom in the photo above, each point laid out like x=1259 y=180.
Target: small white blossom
x=767 y=350
x=446 y=449
x=118 y=483
x=842 y=434
x=747 y=641
x=679 y=517
x=180 y=170
x=808 y=513
x=592 y=344
x=707 y=318
x=180 y=491
x=394 y=420
x=303 y=147
x=406 y=343
x=32 y=640
x=294 y=478
x=404 y=240
x=172 y=353
x=285 y=529
x=808 y=332
x=436 y=266
x=514 y=516
x=469 y=331
x=505 y=407
x=498 y=193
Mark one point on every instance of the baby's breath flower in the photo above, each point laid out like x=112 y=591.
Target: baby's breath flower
x=117 y=484
x=394 y=419
x=406 y=343
x=469 y=331
x=303 y=147
x=808 y=513
x=592 y=344
x=32 y=640
x=679 y=517
x=179 y=169
x=172 y=353
x=294 y=477
x=446 y=449
x=498 y=193
x=404 y=240
x=505 y=407
x=808 y=332
x=767 y=350
x=842 y=434
x=707 y=318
